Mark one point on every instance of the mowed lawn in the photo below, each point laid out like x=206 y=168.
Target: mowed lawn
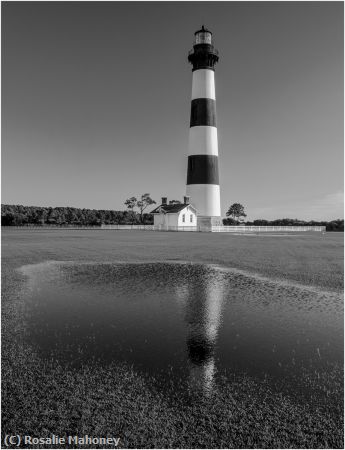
x=41 y=398
x=310 y=258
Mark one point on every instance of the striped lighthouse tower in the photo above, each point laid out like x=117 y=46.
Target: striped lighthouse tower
x=202 y=172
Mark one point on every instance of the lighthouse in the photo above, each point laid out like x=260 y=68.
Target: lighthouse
x=202 y=172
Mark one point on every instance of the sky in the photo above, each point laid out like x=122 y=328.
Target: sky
x=96 y=103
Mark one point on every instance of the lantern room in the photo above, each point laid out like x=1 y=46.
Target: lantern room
x=203 y=36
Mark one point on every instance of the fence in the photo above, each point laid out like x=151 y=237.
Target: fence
x=175 y=228
x=215 y=229
x=128 y=227
x=257 y=228
x=148 y=228
x=51 y=227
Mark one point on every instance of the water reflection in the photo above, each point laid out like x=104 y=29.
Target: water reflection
x=180 y=322
x=203 y=309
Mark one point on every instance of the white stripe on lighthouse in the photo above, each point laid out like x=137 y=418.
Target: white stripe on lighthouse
x=203 y=140
x=205 y=197
x=203 y=84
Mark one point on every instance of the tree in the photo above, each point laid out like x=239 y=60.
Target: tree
x=61 y=219
x=8 y=219
x=260 y=222
x=131 y=203
x=42 y=216
x=148 y=219
x=143 y=203
x=236 y=211
x=53 y=216
x=229 y=221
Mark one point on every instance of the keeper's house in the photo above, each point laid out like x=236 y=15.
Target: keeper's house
x=174 y=215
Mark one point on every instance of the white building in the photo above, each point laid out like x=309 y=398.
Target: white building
x=174 y=215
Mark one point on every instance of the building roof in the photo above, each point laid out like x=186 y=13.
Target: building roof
x=169 y=209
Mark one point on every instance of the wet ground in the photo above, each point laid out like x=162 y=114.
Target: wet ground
x=182 y=322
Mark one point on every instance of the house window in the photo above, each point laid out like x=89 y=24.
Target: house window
x=183 y=217
x=191 y=217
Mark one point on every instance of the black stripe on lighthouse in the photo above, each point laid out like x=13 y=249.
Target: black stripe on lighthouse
x=203 y=112
x=202 y=169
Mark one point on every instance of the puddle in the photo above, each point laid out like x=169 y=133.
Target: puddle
x=188 y=323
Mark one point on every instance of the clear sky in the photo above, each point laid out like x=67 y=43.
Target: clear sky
x=96 y=103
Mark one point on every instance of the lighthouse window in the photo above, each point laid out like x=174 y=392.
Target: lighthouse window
x=191 y=217
x=183 y=217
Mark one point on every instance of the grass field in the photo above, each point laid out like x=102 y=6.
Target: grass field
x=41 y=398
x=314 y=259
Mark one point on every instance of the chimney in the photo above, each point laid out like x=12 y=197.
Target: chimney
x=164 y=200
x=186 y=200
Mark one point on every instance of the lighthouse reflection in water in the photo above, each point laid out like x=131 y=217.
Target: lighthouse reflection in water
x=202 y=305
x=180 y=323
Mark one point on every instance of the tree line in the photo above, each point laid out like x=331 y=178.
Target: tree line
x=334 y=225
x=18 y=215
x=236 y=214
